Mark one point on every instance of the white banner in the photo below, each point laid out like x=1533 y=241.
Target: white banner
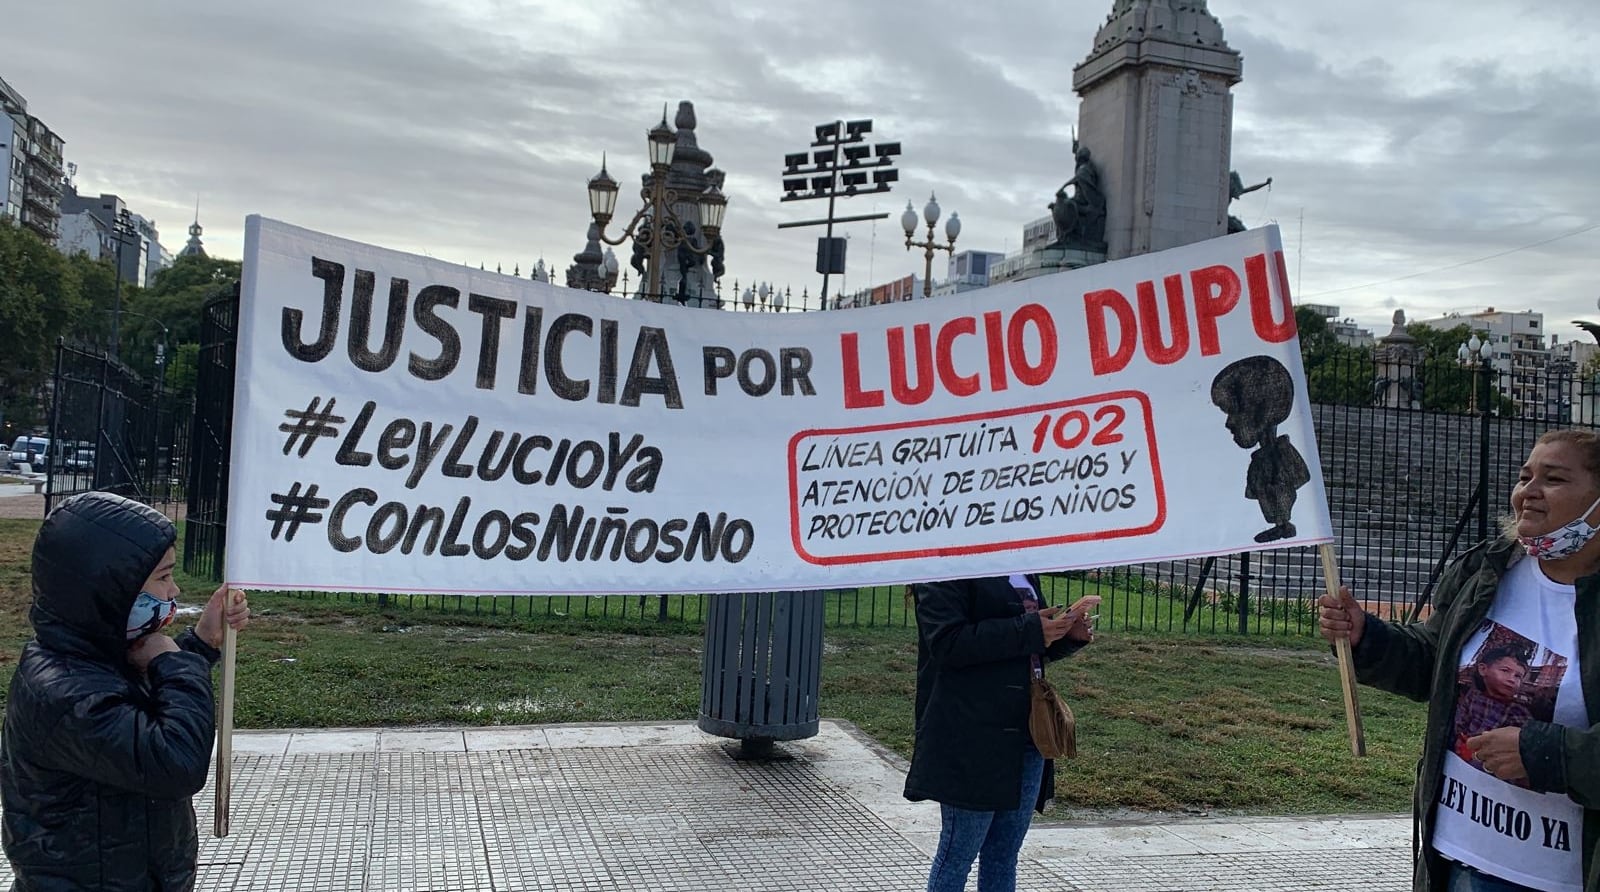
x=407 y=425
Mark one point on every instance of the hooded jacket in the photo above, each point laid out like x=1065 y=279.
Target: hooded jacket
x=98 y=762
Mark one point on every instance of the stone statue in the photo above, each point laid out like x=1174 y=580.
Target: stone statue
x=1080 y=218
x=589 y=270
x=718 y=255
x=1403 y=393
x=1397 y=358
x=641 y=251
x=692 y=279
x=1237 y=189
x=685 y=277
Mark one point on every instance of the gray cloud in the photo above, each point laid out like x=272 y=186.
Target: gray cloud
x=1410 y=136
x=1400 y=173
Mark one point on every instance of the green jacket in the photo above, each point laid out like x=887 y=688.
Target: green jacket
x=1420 y=661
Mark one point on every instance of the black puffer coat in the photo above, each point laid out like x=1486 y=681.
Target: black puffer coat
x=973 y=672
x=97 y=763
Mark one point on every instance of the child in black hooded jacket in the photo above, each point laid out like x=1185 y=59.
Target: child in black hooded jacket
x=109 y=723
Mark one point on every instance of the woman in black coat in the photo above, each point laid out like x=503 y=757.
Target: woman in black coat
x=977 y=643
x=108 y=726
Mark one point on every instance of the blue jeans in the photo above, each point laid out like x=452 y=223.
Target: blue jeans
x=992 y=838
x=1466 y=879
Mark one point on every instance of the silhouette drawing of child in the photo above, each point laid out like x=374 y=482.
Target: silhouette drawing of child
x=1256 y=393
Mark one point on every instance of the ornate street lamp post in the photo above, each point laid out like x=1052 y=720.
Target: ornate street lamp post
x=657 y=224
x=930 y=213
x=663 y=229
x=1476 y=355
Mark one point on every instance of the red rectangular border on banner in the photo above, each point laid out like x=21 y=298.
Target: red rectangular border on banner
x=1155 y=467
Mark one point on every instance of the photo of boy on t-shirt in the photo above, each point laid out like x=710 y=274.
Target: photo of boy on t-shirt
x=1503 y=687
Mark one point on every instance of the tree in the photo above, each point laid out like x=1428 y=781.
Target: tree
x=176 y=299
x=1342 y=374
x=1448 y=384
x=1440 y=343
x=183 y=370
x=1315 y=335
x=97 y=290
x=1335 y=372
x=45 y=296
x=40 y=299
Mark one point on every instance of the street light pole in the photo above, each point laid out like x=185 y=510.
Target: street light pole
x=930 y=213
x=1476 y=354
x=1485 y=369
x=665 y=230
x=166 y=333
x=839 y=167
x=658 y=188
x=121 y=227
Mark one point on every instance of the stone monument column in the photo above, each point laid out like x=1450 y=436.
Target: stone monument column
x=1157 y=112
x=1397 y=361
x=592 y=269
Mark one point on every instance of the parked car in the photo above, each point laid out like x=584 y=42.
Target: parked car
x=37 y=451
x=81 y=460
x=29 y=451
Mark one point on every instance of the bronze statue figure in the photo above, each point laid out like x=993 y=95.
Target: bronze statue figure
x=1236 y=189
x=1080 y=219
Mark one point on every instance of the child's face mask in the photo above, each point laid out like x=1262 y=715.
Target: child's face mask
x=150 y=614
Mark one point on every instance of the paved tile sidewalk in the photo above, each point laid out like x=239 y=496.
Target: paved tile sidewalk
x=661 y=807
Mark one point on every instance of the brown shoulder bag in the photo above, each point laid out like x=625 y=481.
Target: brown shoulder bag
x=1050 y=722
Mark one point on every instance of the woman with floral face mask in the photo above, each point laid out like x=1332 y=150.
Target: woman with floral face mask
x=108 y=725
x=1508 y=790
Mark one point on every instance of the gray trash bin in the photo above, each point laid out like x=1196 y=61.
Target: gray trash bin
x=762 y=669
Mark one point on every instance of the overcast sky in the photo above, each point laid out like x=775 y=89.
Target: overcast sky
x=1410 y=138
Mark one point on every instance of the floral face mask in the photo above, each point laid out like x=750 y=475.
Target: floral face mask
x=150 y=614
x=1564 y=542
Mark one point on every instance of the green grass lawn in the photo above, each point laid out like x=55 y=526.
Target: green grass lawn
x=1166 y=721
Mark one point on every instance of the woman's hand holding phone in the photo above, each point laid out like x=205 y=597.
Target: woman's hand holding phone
x=1082 y=619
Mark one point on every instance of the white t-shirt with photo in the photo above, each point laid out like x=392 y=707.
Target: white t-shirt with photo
x=1508 y=831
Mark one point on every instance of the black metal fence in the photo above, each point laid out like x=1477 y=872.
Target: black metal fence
x=1417 y=462
x=112 y=429
x=753 y=299
x=205 y=528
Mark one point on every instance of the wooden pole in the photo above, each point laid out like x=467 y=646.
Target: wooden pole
x=224 y=784
x=1347 y=666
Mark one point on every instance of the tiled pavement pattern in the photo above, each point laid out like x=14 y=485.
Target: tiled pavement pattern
x=661 y=807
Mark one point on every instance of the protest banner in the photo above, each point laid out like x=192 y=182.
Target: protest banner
x=407 y=425
x=403 y=424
